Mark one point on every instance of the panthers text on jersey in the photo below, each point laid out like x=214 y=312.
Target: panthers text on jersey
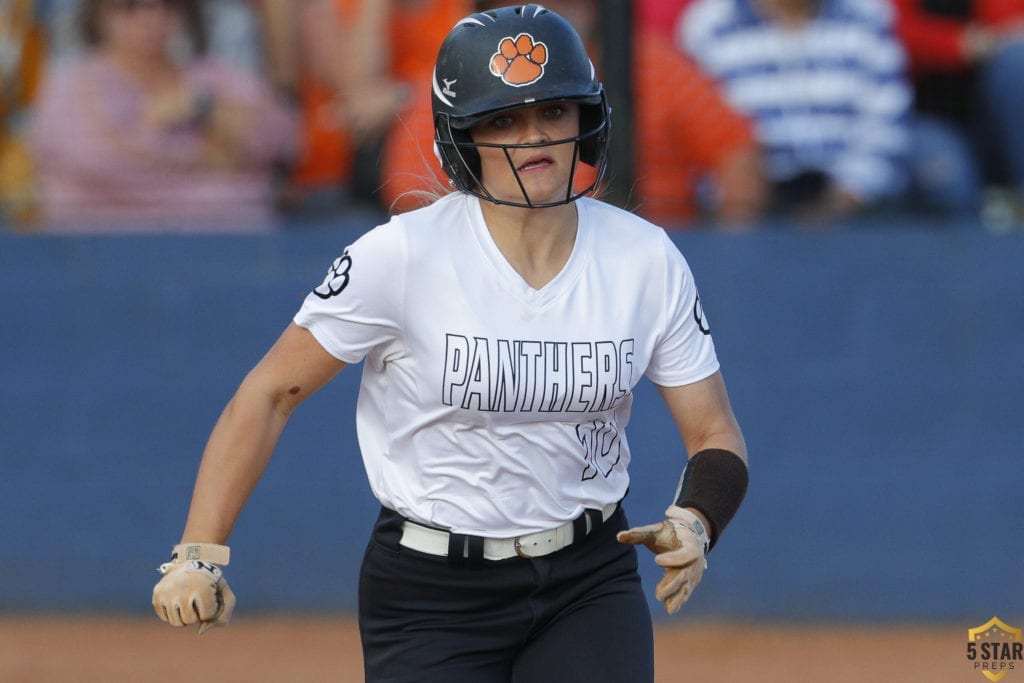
x=486 y=406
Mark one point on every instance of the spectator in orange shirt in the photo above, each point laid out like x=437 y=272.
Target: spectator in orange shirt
x=686 y=136
x=364 y=94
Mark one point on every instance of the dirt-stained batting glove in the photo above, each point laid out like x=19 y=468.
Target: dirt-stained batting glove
x=680 y=545
x=193 y=589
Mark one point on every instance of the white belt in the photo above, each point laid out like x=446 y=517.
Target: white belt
x=435 y=541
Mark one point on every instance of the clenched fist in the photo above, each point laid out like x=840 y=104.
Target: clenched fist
x=680 y=544
x=193 y=591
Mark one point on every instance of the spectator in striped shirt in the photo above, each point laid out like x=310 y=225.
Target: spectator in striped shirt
x=824 y=81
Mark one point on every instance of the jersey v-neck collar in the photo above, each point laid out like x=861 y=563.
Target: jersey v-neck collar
x=511 y=280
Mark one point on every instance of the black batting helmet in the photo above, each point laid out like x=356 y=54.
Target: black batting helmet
x=511 y=58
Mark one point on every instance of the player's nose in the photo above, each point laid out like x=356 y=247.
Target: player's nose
x=535 y=129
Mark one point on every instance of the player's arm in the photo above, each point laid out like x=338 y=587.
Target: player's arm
x=193 y=588
x=714 y=484
x=248 y=430
x=704 y=417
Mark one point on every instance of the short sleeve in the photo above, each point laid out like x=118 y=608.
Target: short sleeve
x=684 y=352
x=357 y=309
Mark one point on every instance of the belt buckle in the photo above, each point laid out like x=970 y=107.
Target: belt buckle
x=517 y=543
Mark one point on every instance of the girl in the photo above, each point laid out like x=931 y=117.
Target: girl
x=502 y=329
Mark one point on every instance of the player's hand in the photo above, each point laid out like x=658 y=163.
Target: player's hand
x=680 y=544
x=193 y=591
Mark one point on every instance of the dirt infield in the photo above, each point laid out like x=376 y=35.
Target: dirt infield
x=311 y=650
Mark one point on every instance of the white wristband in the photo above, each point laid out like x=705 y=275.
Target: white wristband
x=206 y=552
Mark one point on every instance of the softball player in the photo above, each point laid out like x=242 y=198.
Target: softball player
x=502 y=330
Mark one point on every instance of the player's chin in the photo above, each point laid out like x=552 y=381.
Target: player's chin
x=545 y=193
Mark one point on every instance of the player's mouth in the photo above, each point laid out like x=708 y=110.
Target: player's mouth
x=535 y=163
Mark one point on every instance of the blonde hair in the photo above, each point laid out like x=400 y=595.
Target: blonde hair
x=433 y=188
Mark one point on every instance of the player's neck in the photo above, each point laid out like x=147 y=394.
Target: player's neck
x=536 y=242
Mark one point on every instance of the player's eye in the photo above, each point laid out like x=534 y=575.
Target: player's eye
x=555 y=111
x=501 y=121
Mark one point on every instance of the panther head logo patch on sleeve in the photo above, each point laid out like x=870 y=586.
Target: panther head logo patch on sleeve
x=519 y=61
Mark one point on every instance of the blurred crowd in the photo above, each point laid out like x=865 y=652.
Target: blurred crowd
x=123 y=116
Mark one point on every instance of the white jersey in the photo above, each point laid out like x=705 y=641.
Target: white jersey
x=488 y=407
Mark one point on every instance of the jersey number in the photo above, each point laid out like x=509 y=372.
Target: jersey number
x=601 y=447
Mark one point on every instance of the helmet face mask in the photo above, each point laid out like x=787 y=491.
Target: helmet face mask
x=508 y=59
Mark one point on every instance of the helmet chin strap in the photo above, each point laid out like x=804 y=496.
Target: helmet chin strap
x=527 y=202
x=479 y=189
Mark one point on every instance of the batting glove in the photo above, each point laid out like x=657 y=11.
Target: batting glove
x=680 y=545
x=193 y=588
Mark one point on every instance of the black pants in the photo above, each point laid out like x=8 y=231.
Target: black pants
x=575 y=615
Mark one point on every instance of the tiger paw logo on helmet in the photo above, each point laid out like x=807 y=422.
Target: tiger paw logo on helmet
x=519 y=61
